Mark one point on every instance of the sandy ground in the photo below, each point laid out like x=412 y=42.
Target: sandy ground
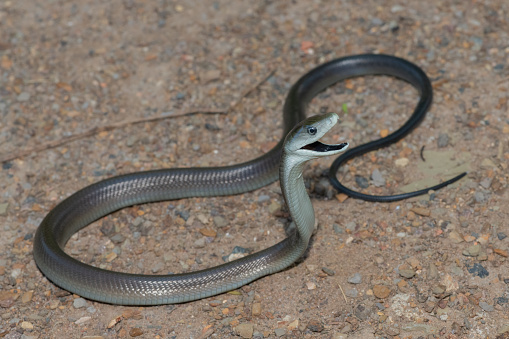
x=430 y=267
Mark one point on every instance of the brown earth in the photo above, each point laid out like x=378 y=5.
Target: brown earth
x=430 y=267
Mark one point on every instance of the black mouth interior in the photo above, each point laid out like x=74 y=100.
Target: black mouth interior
x=317 y=146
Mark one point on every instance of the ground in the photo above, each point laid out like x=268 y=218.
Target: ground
x=429 y=267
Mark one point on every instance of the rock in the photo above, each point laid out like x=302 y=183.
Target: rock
x=328 y=271
x=378 y=179
x=407 y=273
x=472 y=251
x=3 y=208
x=219 y=221
x=23 y=97
x=355 y=279
x=79 y=303
x=200 y=243
x=486 y=307
x=456 y=237
x=274 y=207
x=381 y=291
x=361 y=181
x=237 y=252
x=425 y=212
x=443 y=140
x=478 y=270
x=27 y=297
x=82 y=320
x=135 y=332
x=503 y=329
x=501 y=236
x=439 y=289
x=315 y=326
x=26 y=325
x=402 y=162
x=352 y=293
x=245 y=330
x=280 y=332
x=256 y=309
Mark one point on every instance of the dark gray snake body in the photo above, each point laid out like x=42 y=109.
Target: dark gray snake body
x=104 y=197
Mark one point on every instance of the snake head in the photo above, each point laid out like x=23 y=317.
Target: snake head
x=303 y=139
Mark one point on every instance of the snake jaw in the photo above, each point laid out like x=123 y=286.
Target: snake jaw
x=317 y=146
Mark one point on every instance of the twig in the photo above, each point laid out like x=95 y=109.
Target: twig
x=344 y=296
x=252 y=89
x=99 y=129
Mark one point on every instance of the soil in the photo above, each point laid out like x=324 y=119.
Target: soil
x=434 y=266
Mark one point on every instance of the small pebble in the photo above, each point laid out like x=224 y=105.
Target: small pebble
x=443 y=140
x=352 y=293
x=315 y=326
x=361 y=181
x=355 y=279
x=219 y=221
x=328 y=271
x=407 y=273
x=378 y=179
x=23 y=96
x=472 y=251
x=79 y=303
x=478 y=270
x=135 y=332
x=381 y=291
x=263 y=198
x=280 y=332
x=245 y=330
x=485 y=306
x=501 y=236
x=256 y=309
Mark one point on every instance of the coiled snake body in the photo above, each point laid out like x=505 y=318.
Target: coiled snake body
x=107 y=196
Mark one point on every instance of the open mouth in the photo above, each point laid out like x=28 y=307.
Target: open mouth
x=317 y=146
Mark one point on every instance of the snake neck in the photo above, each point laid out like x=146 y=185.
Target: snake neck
x=296 y=196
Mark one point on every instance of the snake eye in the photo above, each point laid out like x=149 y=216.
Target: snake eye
x=312 y=130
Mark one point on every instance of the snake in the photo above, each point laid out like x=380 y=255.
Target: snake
x=284 y=161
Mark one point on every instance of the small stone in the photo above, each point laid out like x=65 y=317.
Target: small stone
x=315 y=326
x=425 y=212
x=501 y=252
x=455 y=237
x=245 y=330
x=486 y=182
x=472 y=251
x=443 y=140
x=280 y=332
x=294 y=325
x=486 y=307
x=3 y=208
x=256 y=309
x=26 y=325
x=200 y=243
x=438 y=289
x=328 y=271
x=27 y=297
x=361 y=181
x=23 y=96
x=480 y=197
x=263 y=198
x=53 y=304
x=311 y=285
x=407 y=273
x=378 y=179
x=79 y=303
x=219 y=221
x=157 y=267
x=402 y=162
x=381 y=291
x=337 y=229
x=501 y=236
x=478 y=270
x=117 y=238
x=135 y=332
x=274 y=207
x=355 y=279
x=82 y=320
x=352 y=293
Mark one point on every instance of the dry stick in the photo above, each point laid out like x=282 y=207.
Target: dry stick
x=99 y=129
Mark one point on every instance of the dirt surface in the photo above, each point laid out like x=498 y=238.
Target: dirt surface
x=430 y=267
